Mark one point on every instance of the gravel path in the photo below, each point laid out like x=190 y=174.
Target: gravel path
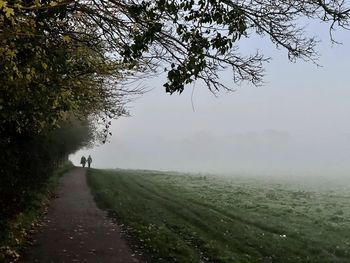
x=76 y=230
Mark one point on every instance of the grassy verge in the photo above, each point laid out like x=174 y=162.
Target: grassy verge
x=184 y=218
x=13 y=236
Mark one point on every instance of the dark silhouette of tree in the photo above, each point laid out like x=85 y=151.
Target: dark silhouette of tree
x=194 y=40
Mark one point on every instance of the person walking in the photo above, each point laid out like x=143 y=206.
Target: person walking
x=83 y=161
x=89 y=160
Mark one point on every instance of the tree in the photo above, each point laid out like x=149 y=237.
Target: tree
x=194 y=40
x=61 y=56
x=51 y=87
x=46 y=74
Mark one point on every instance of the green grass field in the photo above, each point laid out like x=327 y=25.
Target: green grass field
x=175 y=217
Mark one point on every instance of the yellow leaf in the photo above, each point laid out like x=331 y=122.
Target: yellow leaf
x=10 y=53
x=3 y=4
x=9 y=12
x=53 y=4
x=67 y=39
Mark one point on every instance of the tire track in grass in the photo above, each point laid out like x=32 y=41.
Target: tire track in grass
x=299 y=242
x=197 y=223
x=188 y=215
x=224 y=215
x=177 y=209
x=173 y=207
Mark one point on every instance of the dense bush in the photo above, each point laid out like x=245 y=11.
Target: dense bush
x=28 y=161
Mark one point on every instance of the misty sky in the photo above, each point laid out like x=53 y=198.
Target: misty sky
x=298 y=122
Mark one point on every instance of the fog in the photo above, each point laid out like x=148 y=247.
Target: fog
x=296 y=123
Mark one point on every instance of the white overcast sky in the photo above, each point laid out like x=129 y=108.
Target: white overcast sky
x=298 y=122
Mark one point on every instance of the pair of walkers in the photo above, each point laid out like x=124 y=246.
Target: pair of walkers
x=83 y=161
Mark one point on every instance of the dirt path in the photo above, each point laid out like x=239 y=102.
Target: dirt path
x=76 y=230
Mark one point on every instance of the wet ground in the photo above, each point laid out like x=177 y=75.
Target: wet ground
x=76 y=230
